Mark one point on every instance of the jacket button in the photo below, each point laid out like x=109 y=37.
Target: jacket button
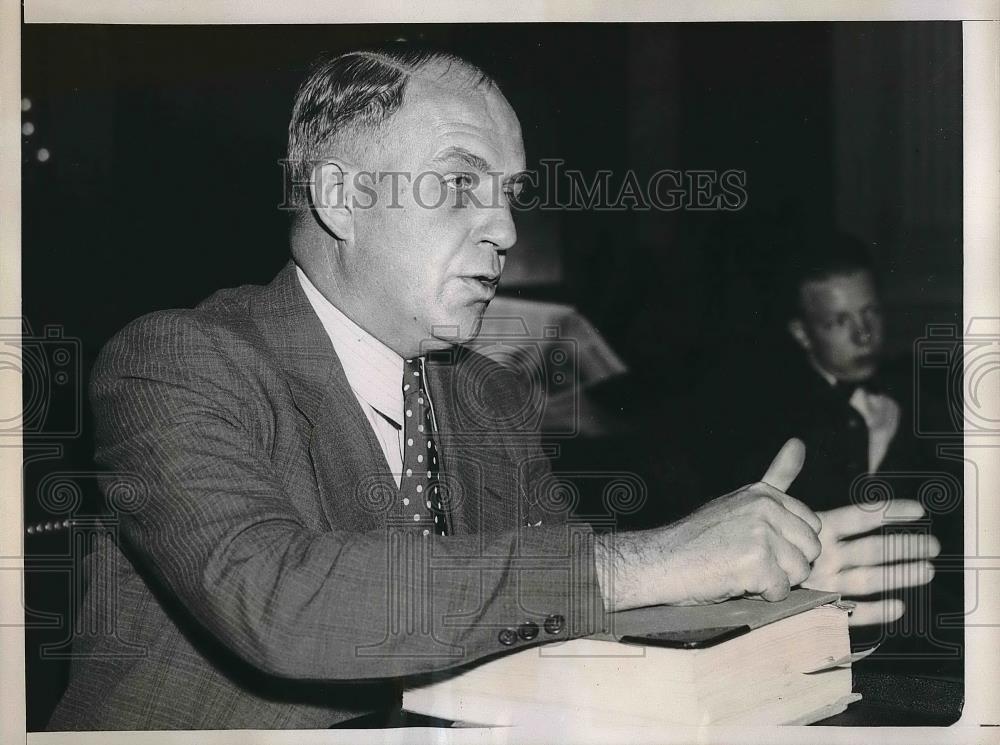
x=554 y=624
x=528 y=630
x=507 y=636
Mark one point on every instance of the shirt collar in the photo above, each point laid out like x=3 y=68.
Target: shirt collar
x=870 y=386
x=374 y=372
x=828 y=377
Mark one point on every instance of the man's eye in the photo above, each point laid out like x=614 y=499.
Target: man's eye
x=513 y=191
x=461 y=181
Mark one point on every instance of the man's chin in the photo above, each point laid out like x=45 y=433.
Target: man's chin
x=859 y=374
x=448 y=335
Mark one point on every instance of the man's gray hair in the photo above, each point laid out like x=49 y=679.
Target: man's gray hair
x=355 y=94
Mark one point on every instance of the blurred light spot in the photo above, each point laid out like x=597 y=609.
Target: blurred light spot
x=27 y=128
x=43 y=154
x=25 y=104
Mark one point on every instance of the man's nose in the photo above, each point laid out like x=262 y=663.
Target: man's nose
x=862 y=331
x=499 y=228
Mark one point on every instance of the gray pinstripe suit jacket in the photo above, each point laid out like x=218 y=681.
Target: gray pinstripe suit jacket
x=257 y=579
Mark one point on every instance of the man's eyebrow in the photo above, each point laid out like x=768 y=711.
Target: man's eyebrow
x=478 y=163
x=472 y=160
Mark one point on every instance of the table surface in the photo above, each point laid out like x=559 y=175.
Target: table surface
x=901 y=693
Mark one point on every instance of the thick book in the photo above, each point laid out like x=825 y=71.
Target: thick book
x=746 y=662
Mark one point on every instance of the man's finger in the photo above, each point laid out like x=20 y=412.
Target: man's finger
x=889 y=549
x=798 y=509
x=872 y=580
x=786 y=465
x=877 y=612
x=854 y=519
x=792 y=561
x=775 y=586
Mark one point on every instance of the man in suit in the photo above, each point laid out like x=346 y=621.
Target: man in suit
x=852 y=411
x=333 y=496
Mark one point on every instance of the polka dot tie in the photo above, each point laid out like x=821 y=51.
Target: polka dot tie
x=419 y=488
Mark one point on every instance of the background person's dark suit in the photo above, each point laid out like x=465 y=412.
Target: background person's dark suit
x=256 y=563
x=741 y=419
x=750 y=413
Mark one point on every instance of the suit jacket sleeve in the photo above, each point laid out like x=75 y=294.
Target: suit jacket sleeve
x=215 y=531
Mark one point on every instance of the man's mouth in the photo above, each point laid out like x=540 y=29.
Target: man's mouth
x=482 y=286
x=488 y=281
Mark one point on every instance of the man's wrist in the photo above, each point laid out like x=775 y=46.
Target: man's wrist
x=620 y=566
x=638 y=568
x=605 y=571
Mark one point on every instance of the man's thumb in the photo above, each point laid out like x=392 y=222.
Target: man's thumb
x=786 y=465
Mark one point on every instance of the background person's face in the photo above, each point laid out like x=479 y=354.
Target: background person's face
x=432 y=256
x=841 y=325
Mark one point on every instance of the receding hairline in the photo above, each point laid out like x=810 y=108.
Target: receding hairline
x=454 y=78
x=453 y=66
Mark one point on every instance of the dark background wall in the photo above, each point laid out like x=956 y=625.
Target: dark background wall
x=163 y=182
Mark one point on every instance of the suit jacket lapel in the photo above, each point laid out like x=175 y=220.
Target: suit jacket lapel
x=473 y=455
x=354 y=480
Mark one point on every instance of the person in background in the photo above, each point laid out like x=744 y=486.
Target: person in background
x=852 y=408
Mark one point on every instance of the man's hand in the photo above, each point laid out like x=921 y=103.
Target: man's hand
x=873 y=564
x=755 y=541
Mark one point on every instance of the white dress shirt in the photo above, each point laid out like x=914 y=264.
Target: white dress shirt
x=881 y=416
x=374 y=372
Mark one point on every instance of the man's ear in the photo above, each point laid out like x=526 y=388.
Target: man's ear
x=331 y=191
x=798 y=331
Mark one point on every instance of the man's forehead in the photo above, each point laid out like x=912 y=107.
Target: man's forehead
x=443 y=108
x=838 y=290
